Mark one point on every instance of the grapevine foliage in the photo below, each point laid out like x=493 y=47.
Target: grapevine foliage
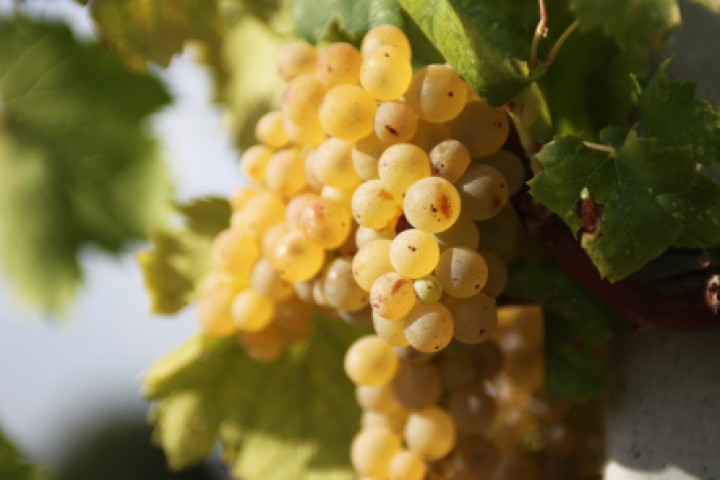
x=290 y=419
x=13 y=466
x=82 y=173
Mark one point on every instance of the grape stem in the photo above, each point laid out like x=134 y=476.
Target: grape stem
x=540 y=32
x=559 y=42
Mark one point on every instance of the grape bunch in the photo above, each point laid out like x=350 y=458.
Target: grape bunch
x=380 y=196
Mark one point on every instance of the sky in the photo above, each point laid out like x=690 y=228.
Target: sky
x=59 y=378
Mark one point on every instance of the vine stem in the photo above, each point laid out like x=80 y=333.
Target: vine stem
x=601 y=147
x=540 y=31
x=559 y=43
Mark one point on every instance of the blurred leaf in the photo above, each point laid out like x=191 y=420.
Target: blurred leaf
x=154 y=30
x=713 y=5
x=698 y=209
x=77 y=166
x=576 y=328
x=180 y=257
x=13 y=465
x=290 y=419
x=481 y=39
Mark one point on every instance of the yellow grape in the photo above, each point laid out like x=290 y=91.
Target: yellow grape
x=432 y=204
x=407 y=465
x=484 y=191
x=270 y=237
x=347 y=112
x=379 y=399
x=242 y=194
x=343 y=196
x=259 y=213
x=372 y=449
x=386 y=73
x=414 y=253
x=293 y=318
x=417 y=385
x=213 y=310
x=394 y=421
x=392 y=296
x=339 y=63
x=386 y=35
x=497 y=274
x=326 y=222
x=313 y=182
x=449 y=160
x=296 y=58
x=340 y=288
x=302 y=97
x=365 y=235
x=430 y=433
x=263 y=346
x=286 y=172
x=475 y=318
x=462 y=272
x=254 y=162
x=234 y=252
x=266 y=281
x=392 y=331
x=511 y=167
x=366 y=154
x=296 y=257
x=463 y=233
x=427 y=135
x=482 y=129
x=370 y=361
x=371 y=261
x=333 y=164
x=395 y=122
x=437 y=93
x=401 y=165
x=271 y=131
x=297 y=206
x=429 y=327
x=375 y=206
x=252 y=311
x=308 y=133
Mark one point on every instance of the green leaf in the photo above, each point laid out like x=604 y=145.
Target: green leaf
x=626 y=179
x=481 y=40
x=576 y=328
x=13 y=465
x=670 y=112
x=713 y=5
x=317 y=20
x=180 y=257
x=699 y=210
x=634 y=24
x=77 y=166
x=154 y=30
x=294 y=418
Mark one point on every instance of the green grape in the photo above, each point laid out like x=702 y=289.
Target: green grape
x=432 y=204
x=296 y=58
x=511 y=167
x=414 y=253
x=259 y=214
x=285 y=172
x=213 y=309
x=383 y=35
x=251 y=311
x=449 y=160
x=341 y=290
x=310 y=133
x=370 y=361
x=302 y=97
x=473 y=409
x=483 y=190
x=365 y=235
x=347 y=112
x=482 y=129
x=380 y=399
x=417 y=385
x=370 y=262
x=428 y=289
x=462 y=272
x=271 y=131
x=375 y=206
x=366 y=154
x=392 y=296
x=386 y=73
x=429 y=327
x=395 y=122
x=338 y=64
x=254 y=162
x=266 y=281
x=437 y=93
x=372 y=449
x=234 y=252
x=407 y=465
x=427 y=135
x=392 y=331
x=296 y=257
x=430 y=433
x=497 y=274
x=500 y=233
x=477 y=456
x=475 y=318
x=325 y=221
x=333 y=164
x=463 y=233
x=401 y=165
x=263 y=346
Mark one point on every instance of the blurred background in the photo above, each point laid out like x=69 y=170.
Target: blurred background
x=73 y=385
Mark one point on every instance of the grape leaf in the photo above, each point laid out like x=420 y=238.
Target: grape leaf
x=670 y=113
x=634 y=23
x=699 y=210
x=180 y=257
x=77 y=166
x=626 y=179
x=154 y=30
x=576 y=328
x=480 y=39
x=294 y=418
x=12 y=464
x=317 y=20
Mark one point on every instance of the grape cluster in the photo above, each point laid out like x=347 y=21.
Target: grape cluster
x=381 y=195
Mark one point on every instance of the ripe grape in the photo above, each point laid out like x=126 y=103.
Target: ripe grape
x=370 y=361
x=234 y=252
x=339 y=63
x=375 y=206
x=407 y=465
x=266 y=281
x=437 y=93
x=326 y=222
x=252 y=311
x=449 y=160
x=333 y=164
x=259 y=213
x=395 y=122
x=482 y=129
x=427 y=135
x=462 y=272
x=483 y=190
x=254 y=162
x=430 y=433
x=432 y=204
x=264 y=345
x=372 y=449
x=392 y=331
x=296 y=257
x=392 y=296
x=270 y=130
x=473 y=409
x=474 y=318
x=302 y=97
x=401 y=165
x=386 y=73
x=285 y=172
x=417 y=385
x=366 y=154
x=414 y=253
x=370 y=262
x=379 y=399
x=429 y=327
x=213 y=309
x=296 y=58
x=497 y=274
x=428 y=289
x=340 y=288
x=385 y=35
x=511 y=167
x=463 y=233
x=347 y=112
